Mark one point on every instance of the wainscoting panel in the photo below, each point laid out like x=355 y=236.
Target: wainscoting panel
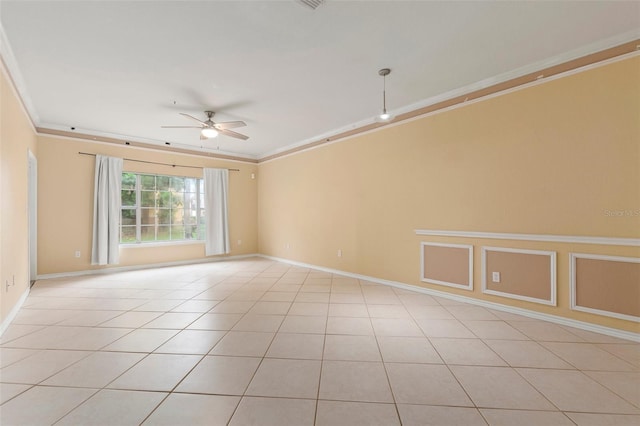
x=523 y=274
x=606 y=285
x=447 y=264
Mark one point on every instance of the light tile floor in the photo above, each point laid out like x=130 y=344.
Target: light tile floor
x=257 y=342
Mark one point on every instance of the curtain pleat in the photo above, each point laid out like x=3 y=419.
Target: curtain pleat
x=216 y=188
x=106 y=211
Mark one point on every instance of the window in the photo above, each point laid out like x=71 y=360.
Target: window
x=161 y=208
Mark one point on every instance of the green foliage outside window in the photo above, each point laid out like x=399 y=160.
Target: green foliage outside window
x=161 y=208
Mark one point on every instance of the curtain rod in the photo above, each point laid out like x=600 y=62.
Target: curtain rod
x=154 y=162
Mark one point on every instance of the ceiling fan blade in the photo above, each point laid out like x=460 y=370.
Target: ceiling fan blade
x=193 y=118
x=181 y=127
x=229 y=125
x=233 y=134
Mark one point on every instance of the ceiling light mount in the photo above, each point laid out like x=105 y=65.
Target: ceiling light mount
x=209 y=131
x=312 y=4
x=385 y=116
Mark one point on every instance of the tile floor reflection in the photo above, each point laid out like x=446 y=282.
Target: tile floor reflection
x=258 y=342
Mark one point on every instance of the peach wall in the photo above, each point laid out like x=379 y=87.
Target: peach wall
x=17 y=137
x=551 y=158
x=65 y=204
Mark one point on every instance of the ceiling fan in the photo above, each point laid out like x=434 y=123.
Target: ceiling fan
x=210 y=129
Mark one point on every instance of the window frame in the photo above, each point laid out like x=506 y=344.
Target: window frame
x=138 y=208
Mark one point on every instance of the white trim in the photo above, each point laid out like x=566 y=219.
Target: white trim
x=146 y=266
x=575 y=239
x=148 y=141
x=144 y=148
x=447 y=283
x=552 y=301
x=161 y=244
x=572 y=284
x=614 y=332
x=14 y=311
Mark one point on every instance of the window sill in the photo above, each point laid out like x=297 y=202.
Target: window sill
x=161 y=244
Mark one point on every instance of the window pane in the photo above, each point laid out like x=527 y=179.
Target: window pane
x=148 y=233
x=128 y=181
x=177 y=232
x=190 y=184
x=128 y=217
x=201 y=229
x=148 y=216
x=177 y=199
x=177 y=184
x=162 y=183
x=164 y=199
x=148 y=182
x=148 y=199
x=163 y=233
x=164 y=216
x=128 y=197
x=190 y=201
x=177 y=216
x=128 y=234
x=189 y=217
x=191 y=231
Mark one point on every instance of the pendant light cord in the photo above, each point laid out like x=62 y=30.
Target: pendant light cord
x=384 y=94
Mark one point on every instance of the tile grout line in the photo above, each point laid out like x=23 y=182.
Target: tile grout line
x=324 y=344
x=384 y=365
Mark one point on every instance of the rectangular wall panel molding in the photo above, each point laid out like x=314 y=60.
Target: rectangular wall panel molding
x=528 y=275
x=447 y=264
x=606 y=285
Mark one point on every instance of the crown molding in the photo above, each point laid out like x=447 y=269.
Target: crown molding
x=11 y=69
x=134 y=143
x=577 y=60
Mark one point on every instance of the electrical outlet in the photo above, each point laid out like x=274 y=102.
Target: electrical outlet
x=495 y=277
x=239 y=242
x=287 y=246
x=339 y=252
x=77 y=253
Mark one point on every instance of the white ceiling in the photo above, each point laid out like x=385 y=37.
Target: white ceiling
x=124 y=68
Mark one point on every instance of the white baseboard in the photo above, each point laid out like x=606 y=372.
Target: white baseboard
x=7 y=321
x=145 y=266
x=627 y=335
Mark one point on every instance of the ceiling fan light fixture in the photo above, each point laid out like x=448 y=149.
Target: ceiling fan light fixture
x=209 y=132
x=385 y=116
